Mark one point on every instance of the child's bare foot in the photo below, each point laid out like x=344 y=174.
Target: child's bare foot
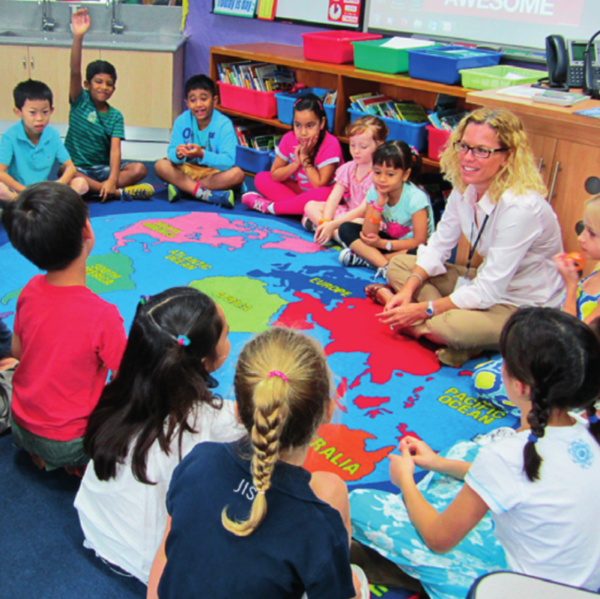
x=379 y=293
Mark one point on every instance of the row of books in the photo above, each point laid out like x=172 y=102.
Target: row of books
x=260 y=76
x=256 y=135
x=382 y=105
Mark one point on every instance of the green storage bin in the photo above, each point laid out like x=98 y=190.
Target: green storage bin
x=500 y=76
x=372 y=56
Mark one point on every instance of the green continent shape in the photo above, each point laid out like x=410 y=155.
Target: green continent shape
x=247 y=305
x=11 y=295
x=104 y=268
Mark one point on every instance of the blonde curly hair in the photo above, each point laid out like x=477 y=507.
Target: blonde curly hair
x=519 y=174
x=591 y=214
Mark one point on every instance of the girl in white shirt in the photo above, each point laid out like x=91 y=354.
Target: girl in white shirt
x=158 y=407
x=541 y=484
x=498 y=204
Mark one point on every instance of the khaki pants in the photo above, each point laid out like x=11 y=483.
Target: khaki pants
x=460 y=329
x=195 y=171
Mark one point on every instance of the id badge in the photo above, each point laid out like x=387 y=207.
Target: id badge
x=462 y=282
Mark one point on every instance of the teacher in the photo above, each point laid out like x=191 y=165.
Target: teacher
x=498 y=204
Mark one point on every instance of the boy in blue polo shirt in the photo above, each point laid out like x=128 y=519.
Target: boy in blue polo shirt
x=29 y=149
x=96 y=128
x=201 y=156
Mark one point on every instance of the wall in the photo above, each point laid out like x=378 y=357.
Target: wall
x=205 y=30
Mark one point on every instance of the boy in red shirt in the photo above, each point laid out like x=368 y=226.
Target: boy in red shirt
x=66 y=337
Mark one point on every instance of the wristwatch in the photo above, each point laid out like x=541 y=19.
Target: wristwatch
x=388 y=246
x=429 y=310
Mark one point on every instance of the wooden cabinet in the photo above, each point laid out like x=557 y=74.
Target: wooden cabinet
x=346 y=79
x=567 y=147
x=149 y=84
x=47 y=64
x=149 y=90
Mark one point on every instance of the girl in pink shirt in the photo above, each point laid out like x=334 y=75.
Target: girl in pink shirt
x=304 y=167
x=352 y=181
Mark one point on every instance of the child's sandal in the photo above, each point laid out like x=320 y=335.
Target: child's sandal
x=372 y=291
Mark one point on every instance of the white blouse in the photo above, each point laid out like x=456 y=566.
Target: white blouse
x=521 y=236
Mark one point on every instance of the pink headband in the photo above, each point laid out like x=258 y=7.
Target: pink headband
x=278 y=373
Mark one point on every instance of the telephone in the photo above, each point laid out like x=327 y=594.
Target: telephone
x=566 y=64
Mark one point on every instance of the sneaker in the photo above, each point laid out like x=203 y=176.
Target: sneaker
x=255 y=201
x=142 y=191
x=220 y=198
x=173 y=193
x=349 y=258
x=308 y=224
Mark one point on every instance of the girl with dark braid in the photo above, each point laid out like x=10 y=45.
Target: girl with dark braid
x=540 y=483
x=245 y=518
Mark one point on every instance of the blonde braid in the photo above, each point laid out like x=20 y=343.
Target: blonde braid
x=270 y=416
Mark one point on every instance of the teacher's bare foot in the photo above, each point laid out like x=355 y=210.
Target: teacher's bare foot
x=379 y=293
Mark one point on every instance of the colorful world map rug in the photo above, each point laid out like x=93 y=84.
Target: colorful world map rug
x=264 y=272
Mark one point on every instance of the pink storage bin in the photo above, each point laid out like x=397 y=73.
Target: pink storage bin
x=334 y=46
x=248 y=101
x=437 y=139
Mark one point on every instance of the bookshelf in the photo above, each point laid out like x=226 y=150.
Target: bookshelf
x=346 y=79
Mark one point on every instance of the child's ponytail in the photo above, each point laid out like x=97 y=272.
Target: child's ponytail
x=282 y=388
x=270 y=417
x=537 y=419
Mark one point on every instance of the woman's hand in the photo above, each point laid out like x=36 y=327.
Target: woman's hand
x=402 y=298
x=324 y=232
x=403 y=315
x=567 y=268
x=371 y=239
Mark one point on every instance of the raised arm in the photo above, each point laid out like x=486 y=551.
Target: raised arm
x=81 y=23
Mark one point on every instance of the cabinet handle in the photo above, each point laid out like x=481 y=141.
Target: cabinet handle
x=25 y=62
x=553 y=184
x=32 y=64
x=540 y=165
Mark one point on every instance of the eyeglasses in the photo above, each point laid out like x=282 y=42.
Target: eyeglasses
x=479 y=152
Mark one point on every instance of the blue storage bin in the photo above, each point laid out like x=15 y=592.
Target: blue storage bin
x=414 y=134
x=286 y=101
x=253 y=161
x=442 y=64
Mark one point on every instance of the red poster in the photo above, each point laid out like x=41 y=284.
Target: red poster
x=344 y=11
x=548 y=12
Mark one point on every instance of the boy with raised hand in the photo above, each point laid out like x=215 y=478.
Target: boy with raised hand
x=201 y=156
x=96 y=128
x=66 y=337
x=29 y=149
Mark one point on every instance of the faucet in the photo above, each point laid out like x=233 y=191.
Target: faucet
x=115 y=26
x=47 y=22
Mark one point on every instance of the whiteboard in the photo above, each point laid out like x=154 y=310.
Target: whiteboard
x=333 y=13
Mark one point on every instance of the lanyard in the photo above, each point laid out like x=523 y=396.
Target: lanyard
x=474 y=246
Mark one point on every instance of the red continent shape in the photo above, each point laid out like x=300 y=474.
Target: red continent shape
x=353 y=327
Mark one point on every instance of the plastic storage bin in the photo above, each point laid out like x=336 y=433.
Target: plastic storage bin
x=333 y=46
x=253 y=161
x=443 y=63
x=248 y=101
x=437 y=140
x=286 y=101
x=373 y=56
x=500 y=76
x=414 y=134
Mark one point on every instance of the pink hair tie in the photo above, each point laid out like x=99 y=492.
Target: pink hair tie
x=278 y=373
